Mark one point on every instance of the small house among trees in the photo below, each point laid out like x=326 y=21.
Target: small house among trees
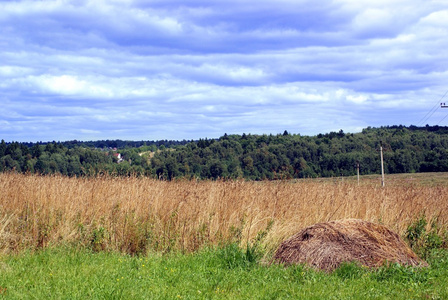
x=118 y=156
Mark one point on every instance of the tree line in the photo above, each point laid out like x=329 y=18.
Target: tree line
x=255 y=157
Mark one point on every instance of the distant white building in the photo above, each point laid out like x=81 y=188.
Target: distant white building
x=118 y=156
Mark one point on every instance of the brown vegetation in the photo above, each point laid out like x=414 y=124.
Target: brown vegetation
x=140 y=214
x=327 y=245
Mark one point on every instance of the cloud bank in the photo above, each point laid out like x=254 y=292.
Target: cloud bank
x=171 y=69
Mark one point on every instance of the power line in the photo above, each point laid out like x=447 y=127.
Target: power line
x=432 y=111
x=442 y=119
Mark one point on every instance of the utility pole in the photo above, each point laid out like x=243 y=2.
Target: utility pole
x=382 y=166
x=357 y=168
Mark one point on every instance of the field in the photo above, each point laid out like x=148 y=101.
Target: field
x=138 y=215
x=90 y=237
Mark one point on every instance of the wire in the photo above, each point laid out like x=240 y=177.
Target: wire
x=432 y=111
x=442 y=119
x=445 y=115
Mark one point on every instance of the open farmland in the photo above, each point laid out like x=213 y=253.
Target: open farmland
x=81 y=230
x=138 y=215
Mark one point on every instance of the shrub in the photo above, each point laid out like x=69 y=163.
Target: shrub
x=423 y=241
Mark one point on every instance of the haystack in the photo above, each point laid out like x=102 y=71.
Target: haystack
x=326 y=245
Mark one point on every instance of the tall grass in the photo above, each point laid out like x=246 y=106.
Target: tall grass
x=138 y=214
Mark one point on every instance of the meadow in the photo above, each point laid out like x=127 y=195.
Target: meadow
x=137 y=238
x=136 y=215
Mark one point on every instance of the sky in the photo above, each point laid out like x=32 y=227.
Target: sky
x=170 y=69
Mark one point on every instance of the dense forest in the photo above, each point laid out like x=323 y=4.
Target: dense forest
x=256 y=157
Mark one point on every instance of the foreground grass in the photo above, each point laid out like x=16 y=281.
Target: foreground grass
x=220 y=273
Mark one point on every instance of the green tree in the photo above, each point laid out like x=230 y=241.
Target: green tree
x=217 y=169
x=42 y=166
x=2 y=148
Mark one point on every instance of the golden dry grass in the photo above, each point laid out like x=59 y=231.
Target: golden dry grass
x=141 y=214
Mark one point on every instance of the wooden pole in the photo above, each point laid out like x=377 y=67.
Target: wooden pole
x=357 y=167
x=382 y=167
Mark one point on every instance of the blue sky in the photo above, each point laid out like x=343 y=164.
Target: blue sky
x=168 y=69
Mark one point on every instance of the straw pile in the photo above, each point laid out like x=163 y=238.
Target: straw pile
x=326 y=245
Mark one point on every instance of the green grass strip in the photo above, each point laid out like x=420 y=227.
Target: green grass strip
x=223 y=273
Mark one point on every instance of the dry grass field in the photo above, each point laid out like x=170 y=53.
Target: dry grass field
x=137 y=215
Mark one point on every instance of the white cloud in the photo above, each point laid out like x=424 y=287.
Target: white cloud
x=437 y=19
x=14 y=71
x=374 y=21
x=65 y=85
x=357 y=99
x=90 y=131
